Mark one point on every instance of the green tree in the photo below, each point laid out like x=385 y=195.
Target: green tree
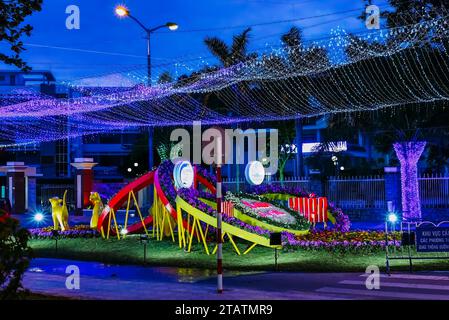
x=403 y=13
x=230 y=55
x=274 y=94
x=165 y=77
x=15 y=256
x=286 y=131
x=12 y=16
x=234 y=97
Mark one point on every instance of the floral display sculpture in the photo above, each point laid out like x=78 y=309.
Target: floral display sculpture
x=59 y=212
x=342 y=222
x=259 y=212
x=267 y=211
x=98 y=207
x=193 y=196
x=275 y=214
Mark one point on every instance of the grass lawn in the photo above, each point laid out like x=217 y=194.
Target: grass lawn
x=166 y=253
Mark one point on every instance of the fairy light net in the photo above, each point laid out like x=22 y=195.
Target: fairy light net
x=345 y=73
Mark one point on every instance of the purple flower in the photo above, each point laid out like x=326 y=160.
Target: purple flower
x=80 y=231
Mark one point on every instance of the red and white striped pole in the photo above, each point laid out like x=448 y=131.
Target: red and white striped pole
x=219 y=219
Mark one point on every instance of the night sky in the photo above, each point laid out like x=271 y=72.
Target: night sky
x=119 y=43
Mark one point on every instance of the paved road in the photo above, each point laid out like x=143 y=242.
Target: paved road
x=99 y=281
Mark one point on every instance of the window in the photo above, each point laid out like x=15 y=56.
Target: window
x=110 y=139
x=47 y=159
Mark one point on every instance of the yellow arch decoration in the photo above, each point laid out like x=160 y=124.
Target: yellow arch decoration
x=230 y=230
x=254 y=222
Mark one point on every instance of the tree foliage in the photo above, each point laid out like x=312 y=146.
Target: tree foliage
x=235 y=53
x=12 y=16
x=388 y=75
x=15 y=255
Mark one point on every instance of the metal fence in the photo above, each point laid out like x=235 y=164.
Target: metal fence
x=434 y=191
x=47 y=191
x=299 y=182
x=234 y=185
x=230 y=184
x=356 y=192
x=364 y=192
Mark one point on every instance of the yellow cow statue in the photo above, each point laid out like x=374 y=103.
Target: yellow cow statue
x=98 y=208
x=59 y=213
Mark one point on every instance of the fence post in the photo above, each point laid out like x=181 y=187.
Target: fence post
x=316 y=184
x=83 y=182
x=393 y=187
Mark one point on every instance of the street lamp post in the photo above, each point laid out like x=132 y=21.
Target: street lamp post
x=123 y=12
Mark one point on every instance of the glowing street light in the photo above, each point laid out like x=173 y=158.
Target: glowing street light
x=136 y=164
x=129 y=169
x=172 y=26
x=121 y=11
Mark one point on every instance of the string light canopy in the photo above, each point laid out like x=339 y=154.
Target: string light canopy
x=344 y=73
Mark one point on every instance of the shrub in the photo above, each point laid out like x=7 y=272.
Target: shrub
x=15 y=256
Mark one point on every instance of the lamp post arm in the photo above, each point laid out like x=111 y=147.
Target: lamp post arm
x=147 y=30
x=157 y=28
x=139 y=23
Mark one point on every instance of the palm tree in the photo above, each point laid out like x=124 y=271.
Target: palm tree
x=165 y=77
x=297 y=59
x=229 y=56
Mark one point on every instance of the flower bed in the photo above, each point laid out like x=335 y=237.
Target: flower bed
x=165 y=172
x=80 y=231
x=266 y=211
x=206 y=174
x=276 y=188
x=340 y=241
x=342 y=222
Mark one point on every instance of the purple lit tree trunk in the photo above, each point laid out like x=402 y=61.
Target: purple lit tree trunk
x=408 y=153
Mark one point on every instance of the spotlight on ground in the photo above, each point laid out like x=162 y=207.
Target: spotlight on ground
x=392 y=218
x=124 y=232
x=39 y=217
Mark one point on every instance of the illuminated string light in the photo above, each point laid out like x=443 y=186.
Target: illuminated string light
x=283 y=83
x=408 y=154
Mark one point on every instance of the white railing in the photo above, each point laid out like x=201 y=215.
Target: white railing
x=47 y=191
x=367 y=192
x=364 y=192
x=301 y=182
x=434 y=191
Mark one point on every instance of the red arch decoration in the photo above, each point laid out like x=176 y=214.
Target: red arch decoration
x=151 y=178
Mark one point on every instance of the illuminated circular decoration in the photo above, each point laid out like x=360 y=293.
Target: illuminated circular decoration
x=183 y=174
x=255 y=172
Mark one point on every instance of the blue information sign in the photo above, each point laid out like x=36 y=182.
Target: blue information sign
x=432 y=239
